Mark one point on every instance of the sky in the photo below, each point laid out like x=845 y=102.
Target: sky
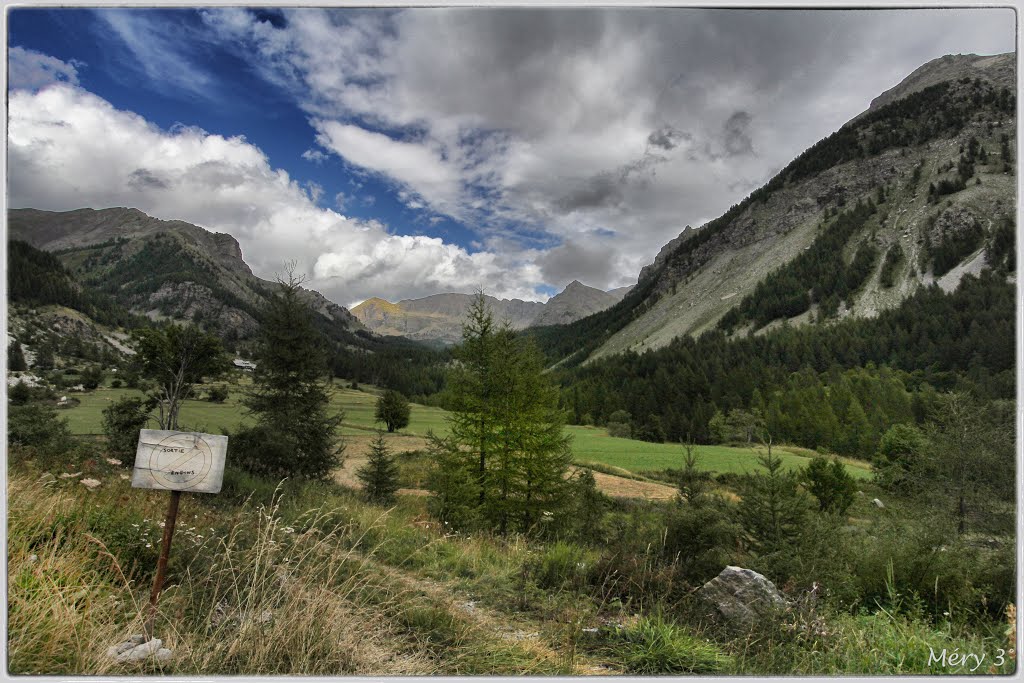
x=406 y=152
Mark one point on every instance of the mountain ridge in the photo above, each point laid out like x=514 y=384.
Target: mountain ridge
x=165 y=268
x=939 y=146
x=439 y=317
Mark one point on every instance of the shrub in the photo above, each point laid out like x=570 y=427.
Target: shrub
x=38 y=426
x=392 y=410
x=19 y=394
x=263 y=451
x=122 y=421
x=619 y=424
x=217 y=394
x=561 y=565
x=700 y=539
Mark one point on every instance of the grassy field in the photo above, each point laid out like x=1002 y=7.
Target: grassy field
x=590 y=444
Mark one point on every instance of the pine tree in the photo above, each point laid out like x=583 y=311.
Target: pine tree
x=773 y=507
x=291 y=393
x=392 y=410
x=15 y=358
x=380 y=474
x=830 y=483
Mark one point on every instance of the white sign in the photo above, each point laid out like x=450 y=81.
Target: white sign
x=179 y=461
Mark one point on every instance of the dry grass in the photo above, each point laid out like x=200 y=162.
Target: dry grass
x=620 y=487
x=265 y=599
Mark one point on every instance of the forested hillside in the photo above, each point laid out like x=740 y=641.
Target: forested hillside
x=799 y=379
x=37 y=278
x=915 y=191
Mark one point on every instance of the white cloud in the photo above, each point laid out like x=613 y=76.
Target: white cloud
x=314 y=155
x=69 y=148
x=543 y=119
x=417 y=166
x=164 y=58
x=31 y=70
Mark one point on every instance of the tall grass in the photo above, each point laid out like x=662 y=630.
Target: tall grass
x=264 y=599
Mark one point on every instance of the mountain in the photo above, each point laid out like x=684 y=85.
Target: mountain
x=440 y=317
x=164 y=269
x=918 y=189
x=577 y=301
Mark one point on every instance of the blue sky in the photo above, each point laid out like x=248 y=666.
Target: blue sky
x=402 y=153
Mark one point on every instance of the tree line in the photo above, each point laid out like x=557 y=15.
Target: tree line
x=933 y=342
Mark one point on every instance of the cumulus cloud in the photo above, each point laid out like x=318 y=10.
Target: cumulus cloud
x=556 y=136
x=563 y=121
x=71 y=149
x=31 y=70
x=419 y=168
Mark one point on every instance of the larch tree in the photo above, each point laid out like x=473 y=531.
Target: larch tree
x=506 y=430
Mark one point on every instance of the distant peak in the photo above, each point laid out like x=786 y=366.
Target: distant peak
x=375 y=301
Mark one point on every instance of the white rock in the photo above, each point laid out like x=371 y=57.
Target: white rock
x=163 y=654
x=90 y=483
x=113 y=461
x=69 y=475
x=878 y=504
x=140 y=652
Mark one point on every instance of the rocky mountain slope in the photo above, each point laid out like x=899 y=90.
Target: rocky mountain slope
x=163 y=269
x=440 y=317
x=931 y=162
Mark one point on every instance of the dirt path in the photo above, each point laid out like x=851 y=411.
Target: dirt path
x=490 y=623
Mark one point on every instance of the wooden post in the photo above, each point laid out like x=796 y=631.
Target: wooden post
x=161 y=565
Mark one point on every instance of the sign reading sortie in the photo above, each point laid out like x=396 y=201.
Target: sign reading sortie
x=179 y=461
x=176 y=462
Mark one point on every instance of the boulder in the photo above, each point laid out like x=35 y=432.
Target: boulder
x=740 y=597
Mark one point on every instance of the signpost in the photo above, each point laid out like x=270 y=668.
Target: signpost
x=176 y=462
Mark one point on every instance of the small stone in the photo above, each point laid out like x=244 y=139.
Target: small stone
x=163 y=654
x=33 y=558
x=138 y=639
x=860 y=493
x=70 y=475
x=878 y=504
x=90 y=483
x=140 y=652
x=113 y=461
x=125 y=477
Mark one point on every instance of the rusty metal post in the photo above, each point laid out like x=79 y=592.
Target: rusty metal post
x=161 y=565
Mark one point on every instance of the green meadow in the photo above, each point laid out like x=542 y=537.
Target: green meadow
x=590 y=444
